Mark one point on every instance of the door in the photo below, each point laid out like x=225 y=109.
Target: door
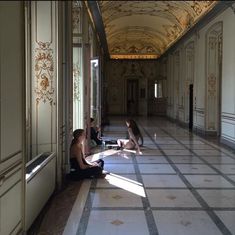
x=132 y=97
x=191 y=106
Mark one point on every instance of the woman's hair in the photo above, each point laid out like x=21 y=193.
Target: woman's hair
x=76 y=134
x=135 y=129
x=133 y=126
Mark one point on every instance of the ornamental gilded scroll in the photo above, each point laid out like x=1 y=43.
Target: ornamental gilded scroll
x=76 y=17
x=76 y=81
x=211 y=85
x=44 y=72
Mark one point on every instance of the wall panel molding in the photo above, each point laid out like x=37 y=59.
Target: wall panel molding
x=12 y=116
x=44 y=76
x=213 y=54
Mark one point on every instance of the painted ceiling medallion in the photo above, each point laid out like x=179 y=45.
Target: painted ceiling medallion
x=146 y=29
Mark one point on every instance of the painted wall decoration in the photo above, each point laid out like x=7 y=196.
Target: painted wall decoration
x=77 y=12
x=44 y=73
x=212 y=85
x=145 y=29
x=76 y=82
x=76 y=17
x=44 y=77
x=213 y=56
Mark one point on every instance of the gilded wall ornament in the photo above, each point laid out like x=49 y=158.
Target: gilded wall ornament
x=211 y=85
x=76 y=81
x=76 y=15
x=44 y=73
x=212 y=42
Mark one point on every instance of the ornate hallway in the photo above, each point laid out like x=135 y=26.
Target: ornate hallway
x=169 y=64
x=182 y=184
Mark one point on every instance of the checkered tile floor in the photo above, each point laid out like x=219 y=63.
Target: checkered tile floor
x=182 y=184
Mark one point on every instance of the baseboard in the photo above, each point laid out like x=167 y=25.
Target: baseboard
x=228 y=143
x=182 y=124
x=204 y=132
x=171 y=119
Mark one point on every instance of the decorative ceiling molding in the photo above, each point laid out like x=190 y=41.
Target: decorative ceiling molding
x=146 y=29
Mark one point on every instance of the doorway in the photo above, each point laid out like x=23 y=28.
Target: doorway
x=132 y=97
x=191 y=106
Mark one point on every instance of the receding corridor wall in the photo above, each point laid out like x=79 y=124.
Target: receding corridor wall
x=206 y=60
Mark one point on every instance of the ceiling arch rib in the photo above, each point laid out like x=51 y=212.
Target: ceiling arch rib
x=146 y=29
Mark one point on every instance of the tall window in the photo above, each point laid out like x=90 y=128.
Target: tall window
x=158 y=89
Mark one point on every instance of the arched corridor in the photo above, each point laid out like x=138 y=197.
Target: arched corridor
x=169 y=65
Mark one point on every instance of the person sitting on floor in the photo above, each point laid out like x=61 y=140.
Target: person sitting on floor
x=134 y=135
x=94 y=132
x=80 y=167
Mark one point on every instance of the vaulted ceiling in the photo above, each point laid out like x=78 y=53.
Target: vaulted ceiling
x=146 y=29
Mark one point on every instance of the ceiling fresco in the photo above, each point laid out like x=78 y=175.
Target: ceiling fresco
x=146 y=29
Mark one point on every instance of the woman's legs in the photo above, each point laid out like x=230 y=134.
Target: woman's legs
x=96 y=171
x=119 y=142
x=129 y=145
x=122 y=142
x=89 y=172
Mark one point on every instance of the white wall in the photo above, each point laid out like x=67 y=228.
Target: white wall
x=228 y=81
x=200 y=73
x=12 y=117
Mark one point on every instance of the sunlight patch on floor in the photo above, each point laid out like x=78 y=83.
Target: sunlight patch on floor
x=126 y=184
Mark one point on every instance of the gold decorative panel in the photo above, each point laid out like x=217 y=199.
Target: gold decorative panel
x=44 y=72
x=146 y=29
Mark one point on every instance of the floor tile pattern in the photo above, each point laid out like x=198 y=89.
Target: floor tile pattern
x=182 y=184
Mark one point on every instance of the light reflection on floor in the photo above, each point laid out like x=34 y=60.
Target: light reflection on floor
x=126 y=184
x=142 y=195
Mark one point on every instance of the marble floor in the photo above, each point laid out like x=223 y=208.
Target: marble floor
x=182 y=184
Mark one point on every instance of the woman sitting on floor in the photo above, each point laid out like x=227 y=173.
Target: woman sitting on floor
x=95 y=132
x=134 y=136
x=80 y=167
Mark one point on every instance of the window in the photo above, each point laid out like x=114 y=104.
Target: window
x=158 y=89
